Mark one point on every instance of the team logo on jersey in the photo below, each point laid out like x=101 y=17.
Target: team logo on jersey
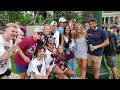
x=31 y=50
x=45 y=56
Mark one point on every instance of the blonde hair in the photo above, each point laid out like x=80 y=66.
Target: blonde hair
x=82 y=32
x=63 y=54
x=12 y=25
x=46 y=26
x=18 y=23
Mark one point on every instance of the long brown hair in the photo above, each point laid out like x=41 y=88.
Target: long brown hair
x=70 y=34
x=60 y=55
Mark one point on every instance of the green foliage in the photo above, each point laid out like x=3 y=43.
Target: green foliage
x=13 y=16
x=25 y=20
x=79 y=19
x=66 y=14
x=86 y=15
x=50 y=19
x=13 y=68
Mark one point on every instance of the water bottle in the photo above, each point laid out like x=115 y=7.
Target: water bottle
x=90 y=47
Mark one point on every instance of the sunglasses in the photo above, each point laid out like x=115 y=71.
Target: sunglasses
x=63 y=22
x=40 y=33
x=52 y=43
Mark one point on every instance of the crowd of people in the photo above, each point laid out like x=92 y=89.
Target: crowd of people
x=57 y=50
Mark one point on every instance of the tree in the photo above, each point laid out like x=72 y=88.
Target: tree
x=86 y=15
x=13 y=16
x=66 y=14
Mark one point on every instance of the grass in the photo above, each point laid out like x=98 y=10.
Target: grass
x=77 y=71
x=13 y=69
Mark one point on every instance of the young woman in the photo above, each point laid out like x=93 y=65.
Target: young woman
x=61 y=58
x=69 y=41
x=37 y=68
x=54 y=32
x=47 y=33
x=81 y=54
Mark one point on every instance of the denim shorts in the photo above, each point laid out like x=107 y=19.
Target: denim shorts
x=21 y=69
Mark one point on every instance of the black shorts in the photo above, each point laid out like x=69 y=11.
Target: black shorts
x=111 y=61
x=8 y=72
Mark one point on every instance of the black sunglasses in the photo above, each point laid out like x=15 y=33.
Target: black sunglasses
x=63 y=22
x=52 y=43
x=40 y=33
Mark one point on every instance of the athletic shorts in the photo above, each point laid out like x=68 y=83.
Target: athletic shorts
x=21 y=69
x=8 y=72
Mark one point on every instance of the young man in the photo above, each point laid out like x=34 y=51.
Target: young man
x=6 y=47
x=110 y=52
x=50 y=49
x=62 y=23
x=25 y=51
x=21 y=30
x=54 y=32
x=37 y=68
x=97 y=39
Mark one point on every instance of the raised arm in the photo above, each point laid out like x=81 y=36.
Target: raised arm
x=69 y=56
x=62 y=40
x=7 y=54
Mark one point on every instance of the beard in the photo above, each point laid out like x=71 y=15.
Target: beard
x=94 y=27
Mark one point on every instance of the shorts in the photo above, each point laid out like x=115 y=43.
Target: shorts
x=21 y=69
x=8 y=72
x=111 y=61
x=95 y=60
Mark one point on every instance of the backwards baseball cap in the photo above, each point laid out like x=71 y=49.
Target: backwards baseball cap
x=38 y=30
x=53 y=23
x=51 y=40
x=62 y=19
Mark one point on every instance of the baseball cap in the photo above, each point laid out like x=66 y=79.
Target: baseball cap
x=62 y=19
x=51 y=40
x=53 y=23
x=38 y=30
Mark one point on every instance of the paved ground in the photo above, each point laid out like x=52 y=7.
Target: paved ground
x=14 y=76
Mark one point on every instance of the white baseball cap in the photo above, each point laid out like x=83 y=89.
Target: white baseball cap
x=53 y=23
x=38 y=30
x=62 y=19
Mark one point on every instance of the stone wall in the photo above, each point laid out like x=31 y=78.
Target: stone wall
x=30 y=29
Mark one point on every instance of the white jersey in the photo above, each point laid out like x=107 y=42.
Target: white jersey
x=49 y=59
x=56 y=36
x=20 y=33
x=4 y=46
x=36 y=67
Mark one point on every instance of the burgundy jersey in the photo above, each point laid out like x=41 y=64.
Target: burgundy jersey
x=28 y=46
